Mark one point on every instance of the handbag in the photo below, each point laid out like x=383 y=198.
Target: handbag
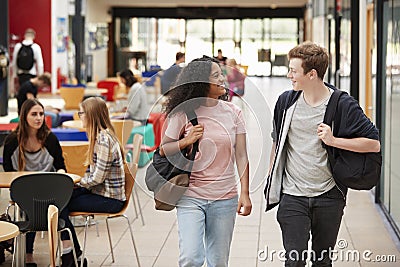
x=359 y=171
x=168 y=177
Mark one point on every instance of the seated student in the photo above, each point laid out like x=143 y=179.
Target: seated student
x=32 y=147
x=103 y=190
x=29 y=89
x=136 y=108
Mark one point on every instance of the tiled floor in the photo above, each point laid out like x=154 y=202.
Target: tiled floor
x=257 y=236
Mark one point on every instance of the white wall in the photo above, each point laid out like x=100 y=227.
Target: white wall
x=362 y=52
x=96 y=12
x=58 y=59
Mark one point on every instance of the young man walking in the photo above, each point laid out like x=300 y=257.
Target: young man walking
x=300 y=180
x=27 y=58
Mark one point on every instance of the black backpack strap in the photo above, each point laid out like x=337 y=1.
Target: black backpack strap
x=192 y=117
x=328 y=119
x=332 y=107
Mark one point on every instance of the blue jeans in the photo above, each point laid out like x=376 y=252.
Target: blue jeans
x=83 y=200
x=321 y=215
x=205 y=230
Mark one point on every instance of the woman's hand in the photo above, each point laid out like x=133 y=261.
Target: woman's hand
x=244 y=205
x=61 y=171
x=195 y=134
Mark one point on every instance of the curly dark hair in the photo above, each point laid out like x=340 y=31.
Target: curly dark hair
x=191 y=86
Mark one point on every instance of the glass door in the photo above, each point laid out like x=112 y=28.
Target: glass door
x=393 y=74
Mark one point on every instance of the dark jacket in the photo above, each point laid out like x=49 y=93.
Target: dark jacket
x=25 y=88
x=168 y=78
x=350 y=122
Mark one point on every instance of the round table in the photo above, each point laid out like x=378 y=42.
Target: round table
x=95 y=91
x=74 y=124
x=8 y=230
x=6 y=178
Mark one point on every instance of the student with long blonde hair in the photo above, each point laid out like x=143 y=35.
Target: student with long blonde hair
x=32 y=147
x=103 y=189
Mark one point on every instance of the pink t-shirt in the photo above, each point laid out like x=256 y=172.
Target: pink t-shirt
x=213 y=174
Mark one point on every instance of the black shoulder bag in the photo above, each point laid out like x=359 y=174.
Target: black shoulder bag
x=168 y=177
x=359 y=171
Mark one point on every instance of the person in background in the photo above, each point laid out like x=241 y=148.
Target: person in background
x=27 y=58
x=29 y=89
x=169 y=75
x=235 y=79
x=221 y=59
x=32 y=147
x=207 y=211
x=103 y=189
x=137 y=107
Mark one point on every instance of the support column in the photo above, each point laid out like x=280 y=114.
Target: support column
x=78 y=25
x=4 y=43
x=355 y=56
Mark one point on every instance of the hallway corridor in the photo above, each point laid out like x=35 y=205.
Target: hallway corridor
x=257 y=238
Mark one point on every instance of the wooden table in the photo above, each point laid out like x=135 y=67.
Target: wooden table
x=75 y=156
x=6 y=178
x=92 y=91
x=75 y=124
x=8 y=230
x=95 y=91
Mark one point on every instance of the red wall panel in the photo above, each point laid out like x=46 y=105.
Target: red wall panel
x=35 y=14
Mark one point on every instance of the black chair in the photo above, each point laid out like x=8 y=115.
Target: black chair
x=33 y=193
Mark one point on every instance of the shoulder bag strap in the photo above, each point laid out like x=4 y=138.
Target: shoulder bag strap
x=329 y=118
x=331 y=108
x=192 y=117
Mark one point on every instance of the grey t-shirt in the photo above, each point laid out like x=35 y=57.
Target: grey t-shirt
x=40 y=160
x=307 y=172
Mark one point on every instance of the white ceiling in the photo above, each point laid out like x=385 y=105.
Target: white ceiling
x=206 y=3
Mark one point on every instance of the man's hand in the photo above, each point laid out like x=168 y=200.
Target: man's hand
x=325 y=134
x=30 y=96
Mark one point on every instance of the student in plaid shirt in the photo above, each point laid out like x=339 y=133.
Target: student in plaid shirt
x=103 y=189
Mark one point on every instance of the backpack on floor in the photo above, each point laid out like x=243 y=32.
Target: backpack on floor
x=25 y=59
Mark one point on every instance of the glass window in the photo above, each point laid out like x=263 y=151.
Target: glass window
x=393 y=125
x=224 y=30
x=198 y=38
x=253 y=38
x=171 y=35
